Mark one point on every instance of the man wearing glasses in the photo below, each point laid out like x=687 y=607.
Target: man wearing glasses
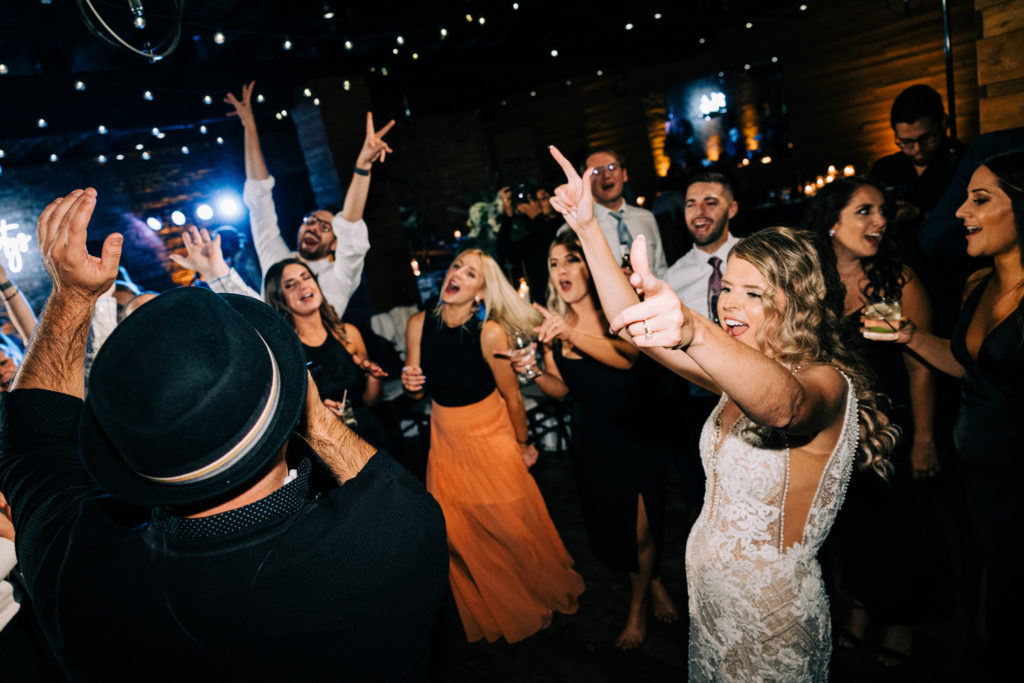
x=914 y=179
x=620 y=221
x=918 y=174
x=332 y=243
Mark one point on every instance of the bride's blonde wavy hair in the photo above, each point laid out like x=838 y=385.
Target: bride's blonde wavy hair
x=807 y=328
x=501 y=302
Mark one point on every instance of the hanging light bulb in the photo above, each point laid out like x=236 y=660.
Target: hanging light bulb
x=147 y=156
x=348 y=44
x=184 y=149
x=177 y=217
x=202 y=129
x=155 y=131
x=307 y=92
x=218 y=38
x=328 y=12
x=54 y=157
x=154 y=223
x=102 y=159
x=444 y=33
x=79 y=86
x=220 y=141
x=42 y=123
x=101 y=129
x=3 y=69
x=207 y=99
x=138 y=20
x=287 y=44
x=400 y=40
x=147 y=95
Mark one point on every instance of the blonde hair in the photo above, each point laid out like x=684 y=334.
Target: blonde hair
x=501 y=302
x=807 y=328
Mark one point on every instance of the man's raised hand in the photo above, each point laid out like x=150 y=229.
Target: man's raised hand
x=243 y=107
x=374 y=147
x=62 y=236
x=202 y=254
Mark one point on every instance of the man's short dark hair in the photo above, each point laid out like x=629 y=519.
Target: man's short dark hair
x=917 y=102
x=710 y=176
x=619 y=157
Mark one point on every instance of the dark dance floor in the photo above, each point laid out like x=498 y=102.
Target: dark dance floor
x=580 y=647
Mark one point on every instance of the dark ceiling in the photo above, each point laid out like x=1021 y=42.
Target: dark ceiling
x=45 y=47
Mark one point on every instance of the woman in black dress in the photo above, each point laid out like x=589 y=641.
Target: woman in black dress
x=987 y=351
x=348 y=382
x=621 y=472
x=885 y=562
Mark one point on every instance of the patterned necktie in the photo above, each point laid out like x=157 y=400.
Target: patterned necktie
x=714 y=287
x=625 y=238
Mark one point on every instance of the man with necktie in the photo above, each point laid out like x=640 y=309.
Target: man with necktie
x=620 y=221
x=696 y=278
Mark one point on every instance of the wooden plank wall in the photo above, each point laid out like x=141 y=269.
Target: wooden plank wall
x=1000 y=63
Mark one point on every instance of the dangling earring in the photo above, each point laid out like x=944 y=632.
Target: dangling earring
x=480 y=310
x=832 y=232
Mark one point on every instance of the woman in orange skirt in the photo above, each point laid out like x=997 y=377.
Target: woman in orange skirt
x=509 y=570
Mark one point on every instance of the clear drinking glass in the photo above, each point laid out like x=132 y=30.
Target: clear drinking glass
x=525 y=347
x=882 y=318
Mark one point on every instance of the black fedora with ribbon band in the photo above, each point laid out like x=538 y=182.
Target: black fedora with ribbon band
x=190 y=398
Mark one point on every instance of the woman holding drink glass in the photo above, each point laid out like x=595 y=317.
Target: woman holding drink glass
x=623 y=498
x=987 y=351
x=880 y=526
x=509 y=570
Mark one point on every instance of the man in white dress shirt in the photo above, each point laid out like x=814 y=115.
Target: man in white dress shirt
x=332 y=243
x=696 y=278
x=621 y=222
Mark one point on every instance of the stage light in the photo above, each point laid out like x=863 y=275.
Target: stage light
x=79 y=86
x=207 y=99
x=750 y=24
x=260 y=98
x=515 y=6
x=101 y=129
x=147 y=95
x=140 y=147
x=394 y=50
x=42 y=123
x=3 y=69
x=54 y=157
x=2 y=154
x=600 y=72
x=746 y=67
x=554 y=53
x=220 y=140
x=657 y=15
x=287 y=44
x=218 y=38
x=161 y=135
x=146 y=156
x=400 y=40
x=155 y=131
x=629 y=27
x=415 y=55
x=328 y=12
x=228 y=206
x=102 y=159
x=803 y=8
x=204 y=212
x=178 y=218
x=184 y=149
x=307 y=92
x=702 y=41
x=348 y=44
x=202 y=130
x=120 y=157
x=347 y=85
x=316 y=101
x=444 y=33
x=774 y=60
x=154 y=224
x=481 y=21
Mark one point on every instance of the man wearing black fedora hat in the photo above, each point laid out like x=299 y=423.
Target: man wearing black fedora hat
x=201 y=514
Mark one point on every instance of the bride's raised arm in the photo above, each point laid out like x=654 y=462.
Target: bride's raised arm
x=688 y=343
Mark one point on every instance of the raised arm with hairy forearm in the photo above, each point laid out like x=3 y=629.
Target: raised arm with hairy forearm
x=374 y=149
x=339 y=447
x=55 y=358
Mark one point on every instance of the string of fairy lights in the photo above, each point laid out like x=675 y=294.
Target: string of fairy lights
x=412 y=44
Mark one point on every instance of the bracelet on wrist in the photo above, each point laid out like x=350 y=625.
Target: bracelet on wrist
x=6 y=285
x=360 y=171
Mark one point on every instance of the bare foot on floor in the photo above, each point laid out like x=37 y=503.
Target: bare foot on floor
x=636 y=629
x=664 y=608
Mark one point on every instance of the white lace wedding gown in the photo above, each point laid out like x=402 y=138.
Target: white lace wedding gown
x=757 y=613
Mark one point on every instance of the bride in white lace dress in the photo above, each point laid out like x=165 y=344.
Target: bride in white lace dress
x=796 y=410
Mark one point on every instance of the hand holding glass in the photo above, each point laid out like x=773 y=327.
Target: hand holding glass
x=526 y=349
x=881 y=319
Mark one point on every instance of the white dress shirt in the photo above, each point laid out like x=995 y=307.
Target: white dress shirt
x=8 y=605
x=688 y=277
x=337 y=278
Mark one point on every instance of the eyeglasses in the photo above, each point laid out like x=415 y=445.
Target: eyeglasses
x=325 y=226
x=920 y=141
x=608 y=168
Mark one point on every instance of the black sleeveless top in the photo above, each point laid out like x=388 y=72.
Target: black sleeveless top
x=986 y=433
x=453 y=362
x=335 y=372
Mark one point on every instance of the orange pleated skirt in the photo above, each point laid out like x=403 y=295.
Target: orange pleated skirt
x=508 y=567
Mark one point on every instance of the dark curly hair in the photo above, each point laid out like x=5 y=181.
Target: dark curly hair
x=885 y=269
